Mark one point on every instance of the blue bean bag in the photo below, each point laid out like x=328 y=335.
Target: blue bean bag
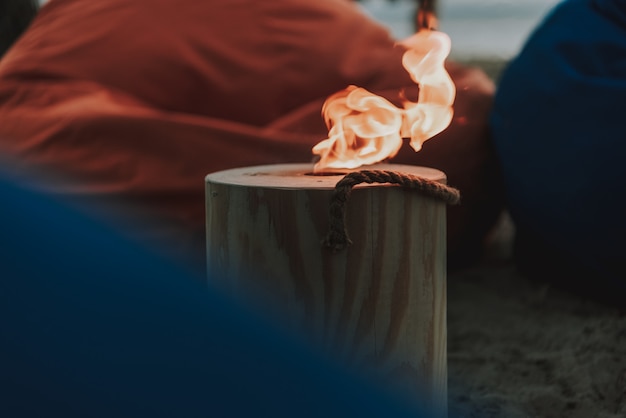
x=93 y=326
x=559 y=127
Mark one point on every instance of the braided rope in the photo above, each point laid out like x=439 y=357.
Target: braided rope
x=337 y=237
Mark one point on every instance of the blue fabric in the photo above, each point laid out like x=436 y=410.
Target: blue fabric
x=92 y=326
x=559 y=126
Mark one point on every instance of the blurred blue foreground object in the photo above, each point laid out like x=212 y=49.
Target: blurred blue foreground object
x=559 y=126
x=93 y=326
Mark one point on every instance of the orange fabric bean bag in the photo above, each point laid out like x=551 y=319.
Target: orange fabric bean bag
x=137 y=101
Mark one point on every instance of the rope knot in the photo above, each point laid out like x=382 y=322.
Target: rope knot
x=337 y=237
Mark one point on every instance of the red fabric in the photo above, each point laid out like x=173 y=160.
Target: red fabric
x=139 y=100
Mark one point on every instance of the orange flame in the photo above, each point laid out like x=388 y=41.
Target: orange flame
x=365 y=128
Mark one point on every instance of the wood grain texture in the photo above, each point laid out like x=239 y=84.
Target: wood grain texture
x=379 y=305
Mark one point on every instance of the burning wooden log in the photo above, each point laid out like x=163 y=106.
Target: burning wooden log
x=379 y=304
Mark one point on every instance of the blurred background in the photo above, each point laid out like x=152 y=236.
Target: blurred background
x=486 y=33
x=479 y=29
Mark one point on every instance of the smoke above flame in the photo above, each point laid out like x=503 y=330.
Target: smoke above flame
x=365 y=128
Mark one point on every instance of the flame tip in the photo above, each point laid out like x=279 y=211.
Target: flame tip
x=365 y=128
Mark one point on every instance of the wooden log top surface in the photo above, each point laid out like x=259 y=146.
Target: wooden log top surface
x=301 y=176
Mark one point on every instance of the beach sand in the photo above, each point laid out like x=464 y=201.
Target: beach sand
x=518 y=348
x=493 y=67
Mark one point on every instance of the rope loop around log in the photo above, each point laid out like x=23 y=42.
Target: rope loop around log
x=337 y=237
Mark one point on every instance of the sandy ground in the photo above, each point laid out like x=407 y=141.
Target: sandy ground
x=517 y=348
x=492 y=67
